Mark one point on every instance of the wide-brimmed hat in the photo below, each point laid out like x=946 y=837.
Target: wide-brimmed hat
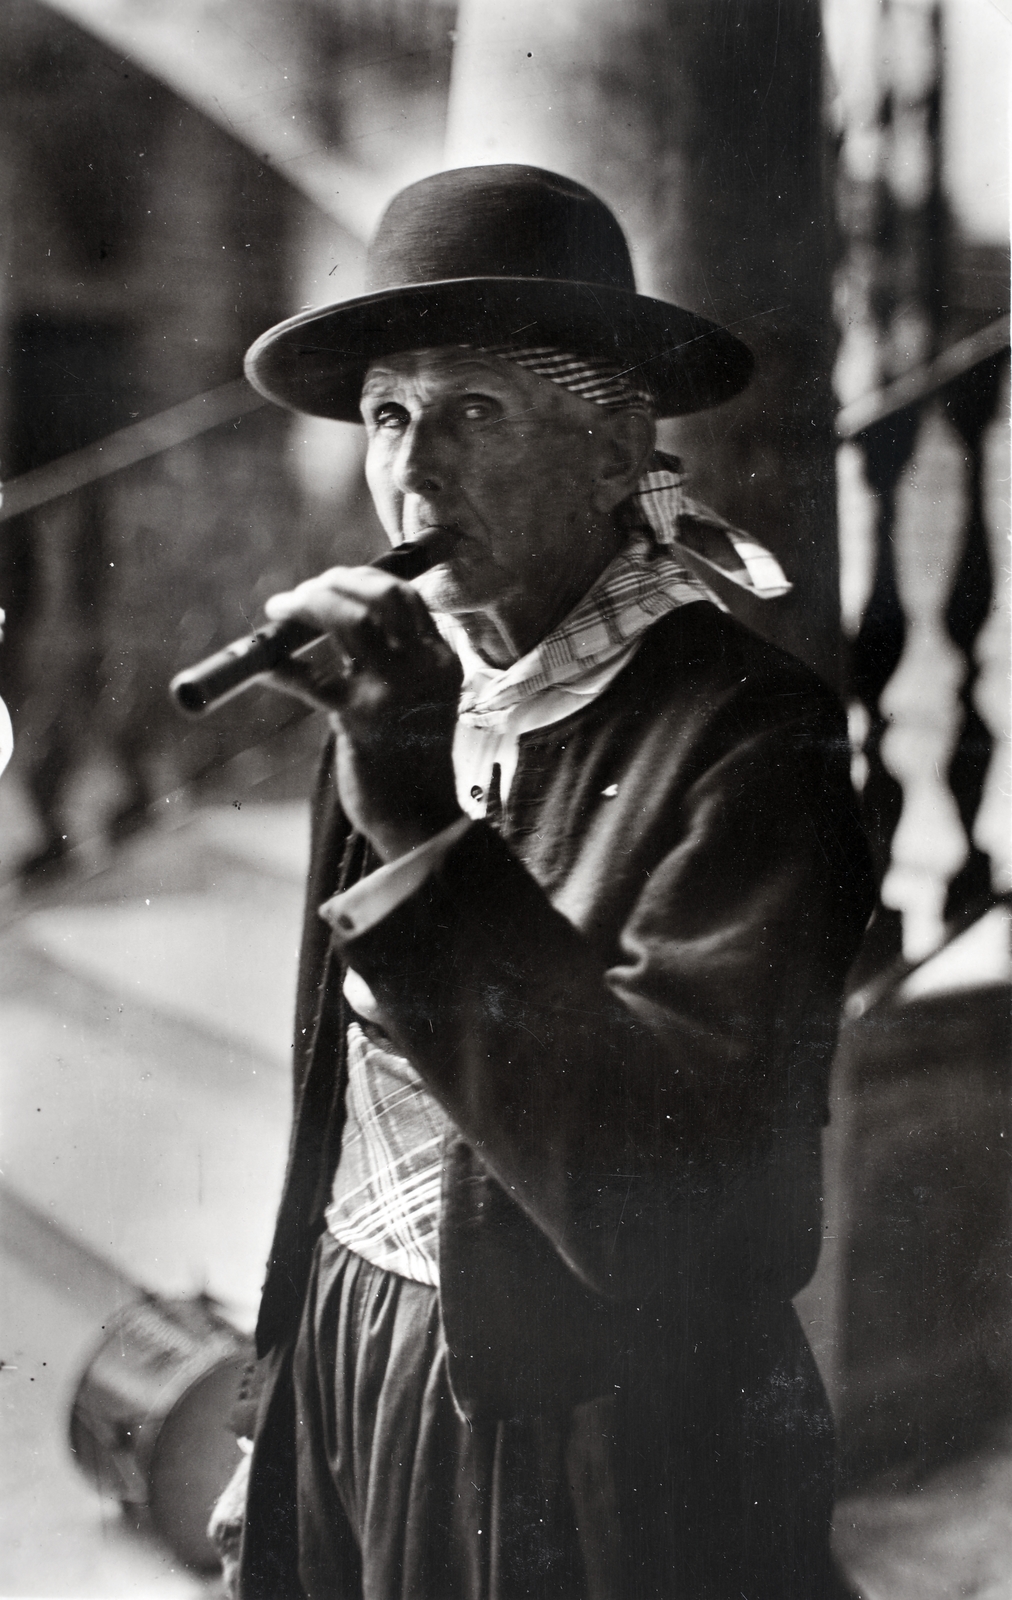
x=494 y=256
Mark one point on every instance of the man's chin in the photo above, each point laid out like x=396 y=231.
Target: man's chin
x=443 y=591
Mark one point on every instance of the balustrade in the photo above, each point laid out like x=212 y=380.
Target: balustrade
x=927 y=680
x=923 y=482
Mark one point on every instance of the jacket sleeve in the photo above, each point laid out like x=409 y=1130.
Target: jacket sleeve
x=604 y=1095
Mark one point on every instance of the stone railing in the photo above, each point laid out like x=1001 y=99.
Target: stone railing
x=924 y=522
x=910 y=1311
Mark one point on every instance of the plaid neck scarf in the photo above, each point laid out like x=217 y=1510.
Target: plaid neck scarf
x=672 y=542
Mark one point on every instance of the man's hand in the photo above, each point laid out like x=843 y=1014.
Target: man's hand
x=391 y=685
x=225 y=1527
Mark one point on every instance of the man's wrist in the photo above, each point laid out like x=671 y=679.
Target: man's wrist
x=354 y=911
x=395 y=839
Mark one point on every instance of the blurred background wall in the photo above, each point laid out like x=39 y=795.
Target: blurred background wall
x=146 y=243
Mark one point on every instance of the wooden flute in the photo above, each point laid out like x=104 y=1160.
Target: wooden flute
x=218 y=677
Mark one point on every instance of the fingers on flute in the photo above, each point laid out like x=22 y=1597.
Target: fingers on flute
x=306 y=682
x=359 y=605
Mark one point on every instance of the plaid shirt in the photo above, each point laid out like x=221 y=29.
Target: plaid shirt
x=385 y=1202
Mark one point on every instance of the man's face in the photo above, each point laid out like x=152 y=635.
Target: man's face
x=506 y=459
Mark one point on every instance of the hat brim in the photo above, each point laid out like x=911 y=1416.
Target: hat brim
x=316 y=362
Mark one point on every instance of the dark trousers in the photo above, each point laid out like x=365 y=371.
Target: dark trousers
x=401 y=1498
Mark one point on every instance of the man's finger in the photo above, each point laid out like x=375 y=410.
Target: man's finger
x=344 y=599
x=319 y=687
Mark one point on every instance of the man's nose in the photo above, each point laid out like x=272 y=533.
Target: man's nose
x=421 y=466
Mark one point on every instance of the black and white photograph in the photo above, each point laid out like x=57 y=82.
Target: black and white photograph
x=505 y=800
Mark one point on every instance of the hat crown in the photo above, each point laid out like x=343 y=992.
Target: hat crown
x=498 y=222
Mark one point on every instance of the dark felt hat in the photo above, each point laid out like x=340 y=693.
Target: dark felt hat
x=497 y=255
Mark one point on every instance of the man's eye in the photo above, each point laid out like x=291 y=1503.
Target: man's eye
x=390 y=416
x=479 y=407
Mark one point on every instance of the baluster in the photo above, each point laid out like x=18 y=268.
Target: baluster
x=874 y=656
x=970 y=403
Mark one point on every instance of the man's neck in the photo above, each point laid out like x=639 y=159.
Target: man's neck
x=492 y=639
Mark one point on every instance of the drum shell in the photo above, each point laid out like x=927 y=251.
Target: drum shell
x=149 y=1420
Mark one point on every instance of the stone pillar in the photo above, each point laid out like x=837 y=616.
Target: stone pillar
x=698 y=121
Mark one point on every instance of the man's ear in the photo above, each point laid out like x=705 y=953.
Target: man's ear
x=627 y=443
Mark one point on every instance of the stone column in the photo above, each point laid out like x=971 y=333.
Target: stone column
x=698 y=121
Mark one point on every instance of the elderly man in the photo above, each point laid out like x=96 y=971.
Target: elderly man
x=586 y=881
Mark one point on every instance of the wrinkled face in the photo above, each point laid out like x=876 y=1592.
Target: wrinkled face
x=508 y=460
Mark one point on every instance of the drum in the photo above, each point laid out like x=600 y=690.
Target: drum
x=149 y=1422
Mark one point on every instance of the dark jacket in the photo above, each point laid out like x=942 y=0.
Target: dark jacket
x=625 y=994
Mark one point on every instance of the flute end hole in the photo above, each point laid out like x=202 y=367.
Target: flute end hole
x=189 y=697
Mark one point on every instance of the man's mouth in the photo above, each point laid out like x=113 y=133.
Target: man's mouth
x=424 y=529
x=439 y=539
x=443 y=536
